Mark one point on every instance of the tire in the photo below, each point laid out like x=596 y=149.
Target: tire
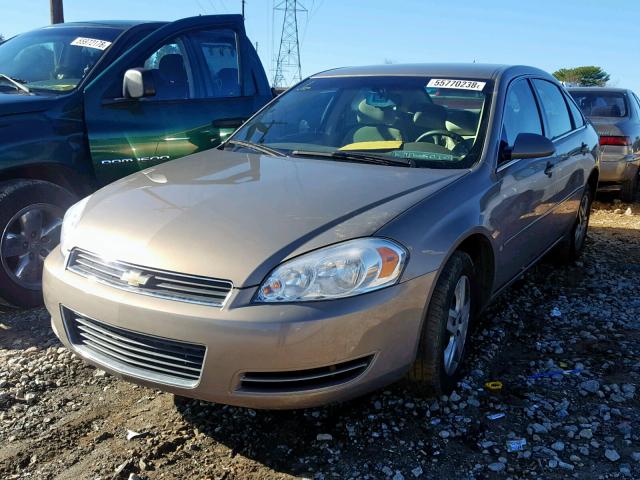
x=430 y=373
x=630 y=189
x=571 y=248
x=31 y=214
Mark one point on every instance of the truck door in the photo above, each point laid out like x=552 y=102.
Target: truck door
x=207 y=81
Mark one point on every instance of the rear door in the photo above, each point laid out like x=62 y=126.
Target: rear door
x=206 y=83
x=568 y=170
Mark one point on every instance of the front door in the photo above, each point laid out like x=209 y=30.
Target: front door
x=202 y=95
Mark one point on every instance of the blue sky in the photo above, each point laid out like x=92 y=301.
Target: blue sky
x=545 y=33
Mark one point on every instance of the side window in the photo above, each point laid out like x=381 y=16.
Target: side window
x=520 y=112
x=637 y=101
x=171 y=71
x=578 y=119
x=554 y=108
x=219 y=57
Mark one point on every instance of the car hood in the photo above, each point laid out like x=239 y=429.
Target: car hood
x=13 y=103
x=236 y=216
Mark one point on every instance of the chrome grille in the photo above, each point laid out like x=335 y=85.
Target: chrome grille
x=149 y=281
x=138 y=354
x=299 y=380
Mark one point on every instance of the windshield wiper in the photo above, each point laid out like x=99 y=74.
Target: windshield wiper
x=20 y=86
x=257 y=147
x=348 y=156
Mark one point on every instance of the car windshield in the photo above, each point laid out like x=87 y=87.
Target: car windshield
x=54 y=59
x=434 y=123
x=601 y=104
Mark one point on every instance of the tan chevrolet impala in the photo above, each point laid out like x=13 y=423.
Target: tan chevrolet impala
x=346 y=235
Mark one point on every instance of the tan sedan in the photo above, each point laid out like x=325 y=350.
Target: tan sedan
x=346 y=235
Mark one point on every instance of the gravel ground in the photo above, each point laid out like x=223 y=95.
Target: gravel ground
x=564 y=342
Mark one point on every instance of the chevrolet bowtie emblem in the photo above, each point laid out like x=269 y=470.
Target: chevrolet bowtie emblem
x=135 y=278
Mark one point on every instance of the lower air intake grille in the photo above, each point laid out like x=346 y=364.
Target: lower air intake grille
x=150 y=281
x=299 y=380
x=141 y=355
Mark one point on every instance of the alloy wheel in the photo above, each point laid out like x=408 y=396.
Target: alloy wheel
x=27 y=240
x=582 y=222
x=457 y=325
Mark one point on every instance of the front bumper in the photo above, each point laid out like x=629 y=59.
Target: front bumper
x=241 y=337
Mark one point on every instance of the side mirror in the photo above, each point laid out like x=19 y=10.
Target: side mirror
x=531 y=145
x=138 y=83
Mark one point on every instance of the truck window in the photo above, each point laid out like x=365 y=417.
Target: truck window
x=219 y=52
x=171 y=71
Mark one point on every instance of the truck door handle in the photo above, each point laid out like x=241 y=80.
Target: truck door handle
x=548 y=170
x=228 y=122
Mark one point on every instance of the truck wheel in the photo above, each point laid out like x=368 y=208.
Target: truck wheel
x=571 y=247
x=630 y=189
x=31 y=214
x=445 y=329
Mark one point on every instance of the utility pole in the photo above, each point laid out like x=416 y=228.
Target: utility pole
x=243 y=2
x=288 y=67
x=57 y=12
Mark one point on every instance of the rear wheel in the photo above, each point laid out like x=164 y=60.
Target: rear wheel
x=31 y=214
x=443 y=340
x=571 y=248
x=630 y=189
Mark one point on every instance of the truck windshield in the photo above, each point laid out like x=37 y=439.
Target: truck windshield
x=434 y=123
x=54 y=58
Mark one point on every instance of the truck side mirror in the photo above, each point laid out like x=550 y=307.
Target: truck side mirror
x=138 y=83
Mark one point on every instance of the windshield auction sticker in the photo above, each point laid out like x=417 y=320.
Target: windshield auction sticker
x=458 y=84
x=91 y=43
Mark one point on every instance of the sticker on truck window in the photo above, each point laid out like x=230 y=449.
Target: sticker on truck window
x=91 y=43
x=459 y=84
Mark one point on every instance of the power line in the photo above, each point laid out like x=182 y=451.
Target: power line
x=288 y=66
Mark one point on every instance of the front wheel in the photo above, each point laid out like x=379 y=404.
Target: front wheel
x=443 y=339
x=31 y=214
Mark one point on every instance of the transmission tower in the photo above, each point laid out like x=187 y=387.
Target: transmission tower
x=288 y=69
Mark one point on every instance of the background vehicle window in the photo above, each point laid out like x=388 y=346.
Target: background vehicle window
x=637 y=102
x=554 y=108
x=220 y=54
x=601 y=104
x=578 y=119
x=171 y=72
x=520 y=112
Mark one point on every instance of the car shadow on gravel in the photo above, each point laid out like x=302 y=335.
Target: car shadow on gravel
x=21 y=329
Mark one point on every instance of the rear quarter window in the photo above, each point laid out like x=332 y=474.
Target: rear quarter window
x=554 y=108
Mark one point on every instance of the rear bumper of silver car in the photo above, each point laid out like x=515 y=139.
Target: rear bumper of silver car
x=616 y=170
x=246 y=354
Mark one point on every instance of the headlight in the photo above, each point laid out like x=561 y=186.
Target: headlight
x=69 y=224
x=341 y=270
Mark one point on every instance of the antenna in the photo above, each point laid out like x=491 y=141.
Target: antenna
x=288 y=68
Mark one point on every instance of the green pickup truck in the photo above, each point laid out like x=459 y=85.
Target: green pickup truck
x=83 y=104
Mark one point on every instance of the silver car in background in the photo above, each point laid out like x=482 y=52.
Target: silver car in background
x=615 y=114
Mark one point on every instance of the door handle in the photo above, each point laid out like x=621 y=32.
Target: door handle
x=548 y=170
x=584 y=148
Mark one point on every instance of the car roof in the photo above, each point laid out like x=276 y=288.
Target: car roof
x=598 y=89
x=465 y=70
x=120 y=24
